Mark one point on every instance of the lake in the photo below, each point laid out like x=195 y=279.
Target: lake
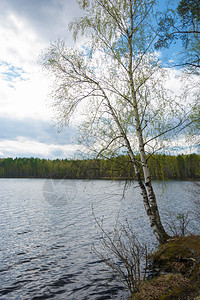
x=48 y=230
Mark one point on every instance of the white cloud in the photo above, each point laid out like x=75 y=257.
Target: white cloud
x=22 y=147
x=173 y=81
x=25 y=98
x=49 y=18
x=25 y=30
x=23 y=89
x=20 y=46
x=183 y=145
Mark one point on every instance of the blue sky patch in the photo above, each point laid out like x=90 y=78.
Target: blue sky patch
x=12 y=72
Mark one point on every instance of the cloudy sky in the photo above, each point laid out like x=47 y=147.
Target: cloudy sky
x=27 y=27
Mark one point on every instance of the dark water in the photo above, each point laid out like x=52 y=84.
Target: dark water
x=47 y=230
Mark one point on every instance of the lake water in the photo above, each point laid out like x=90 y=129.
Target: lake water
x=47 y=230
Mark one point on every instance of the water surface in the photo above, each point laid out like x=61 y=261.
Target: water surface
x=48 y=229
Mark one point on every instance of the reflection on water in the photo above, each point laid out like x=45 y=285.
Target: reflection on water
x=48 y=229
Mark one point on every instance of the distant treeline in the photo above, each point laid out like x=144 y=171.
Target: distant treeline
x=161 y=167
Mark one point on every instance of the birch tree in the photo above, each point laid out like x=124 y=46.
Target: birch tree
x=116 y=79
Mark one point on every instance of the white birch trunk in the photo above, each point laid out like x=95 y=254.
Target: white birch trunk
x=147 y=192
x=149 y=197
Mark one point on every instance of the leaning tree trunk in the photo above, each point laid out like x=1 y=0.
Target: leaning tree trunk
x=149 y=199
x=148 y=194
x=154 y=216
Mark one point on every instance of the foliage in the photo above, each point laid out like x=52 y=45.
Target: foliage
x=182 y=24
x=117 y=80
x=161 y=166
x=189 y=11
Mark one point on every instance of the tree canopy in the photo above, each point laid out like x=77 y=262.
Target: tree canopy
x=116 y=79
x=182 y=23
x=161 y=167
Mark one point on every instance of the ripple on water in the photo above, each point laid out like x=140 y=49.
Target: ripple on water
x=45 y=250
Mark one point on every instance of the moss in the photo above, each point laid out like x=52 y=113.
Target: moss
x=183 y=291
x=161 y=287
x=178 y=255
x=178 y=261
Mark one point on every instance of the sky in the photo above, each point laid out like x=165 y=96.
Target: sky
x=27 y=27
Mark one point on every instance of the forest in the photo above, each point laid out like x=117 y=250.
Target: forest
x=181 y=167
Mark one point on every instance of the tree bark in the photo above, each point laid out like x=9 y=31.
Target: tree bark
x=149 y=198
x=148 y=194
